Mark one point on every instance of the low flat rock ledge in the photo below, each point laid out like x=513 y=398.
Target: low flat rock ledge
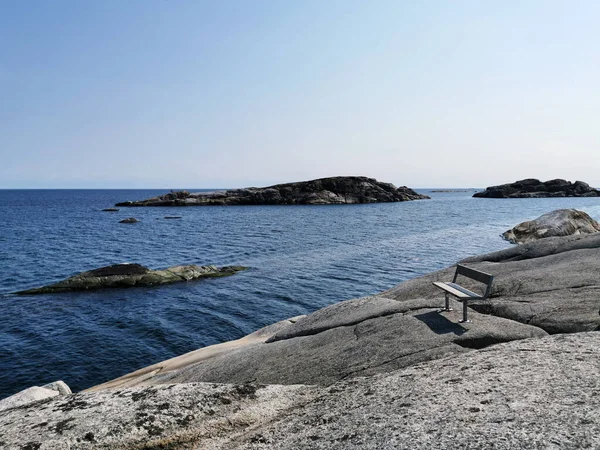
x=533 y=393
x=562 y=222
x=131 y=275
x=359 y=337
x=324 y=191
x=34 y=394
x=533 y=188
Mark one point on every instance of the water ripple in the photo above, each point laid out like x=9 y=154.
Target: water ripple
x=302 y=258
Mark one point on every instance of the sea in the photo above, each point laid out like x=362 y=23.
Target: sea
x=300 y=259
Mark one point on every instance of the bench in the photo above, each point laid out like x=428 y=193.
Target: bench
x=462 y=294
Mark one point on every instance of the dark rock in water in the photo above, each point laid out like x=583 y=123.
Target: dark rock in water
x=532 y=188
x=111 y=209
x=129 y=220
x=118 y=269
x=129 y=275
x=562 y=222
x=324 y=191
x=173 y=217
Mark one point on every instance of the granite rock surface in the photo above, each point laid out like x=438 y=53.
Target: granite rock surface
x=354 y=338
x=533 y=393
x=562 y=222
x=552 y=283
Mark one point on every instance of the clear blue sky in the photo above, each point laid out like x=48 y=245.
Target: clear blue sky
x=173 y=93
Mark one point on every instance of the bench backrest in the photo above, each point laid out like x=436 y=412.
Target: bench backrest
x=476 y=275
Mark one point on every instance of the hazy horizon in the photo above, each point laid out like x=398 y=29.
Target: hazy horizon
x=126 y=95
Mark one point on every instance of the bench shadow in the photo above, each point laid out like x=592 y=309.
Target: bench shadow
x=439 y=324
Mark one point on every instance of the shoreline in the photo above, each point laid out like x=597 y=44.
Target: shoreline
x=359 y=373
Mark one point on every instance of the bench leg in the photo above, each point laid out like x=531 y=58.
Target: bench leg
x=464 y=319
x=447 y=307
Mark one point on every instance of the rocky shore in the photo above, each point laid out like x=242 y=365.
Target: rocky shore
x=324 y=191
x=131 y=275
x=532 y=188
x=562 y=222
x=386 y=371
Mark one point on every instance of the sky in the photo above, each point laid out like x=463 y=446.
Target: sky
x=224 y=94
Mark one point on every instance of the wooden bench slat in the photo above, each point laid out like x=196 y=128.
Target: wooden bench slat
x=464 y=290
x=451 y=290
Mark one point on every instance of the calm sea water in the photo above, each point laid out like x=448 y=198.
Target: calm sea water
x=302 y=258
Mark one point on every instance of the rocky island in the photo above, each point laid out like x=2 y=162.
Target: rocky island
x=532 y=188
x=130 y=275
x=386 y=371
x=323 y=191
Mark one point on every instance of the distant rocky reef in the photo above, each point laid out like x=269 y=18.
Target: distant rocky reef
x=532 y=188
x=324 y=191
x=130 y=275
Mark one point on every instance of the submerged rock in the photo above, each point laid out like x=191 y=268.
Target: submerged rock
x=533 y=188
x=324 y=191
x=110 y=209
x=562 y=222
x=129 y=275
x=129 y=220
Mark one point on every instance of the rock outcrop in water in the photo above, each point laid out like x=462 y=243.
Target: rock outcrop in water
x=562 y=222
x=324 y=191
x=390 y=370
x=130 y=275
x=129 y=220
x=532 y=188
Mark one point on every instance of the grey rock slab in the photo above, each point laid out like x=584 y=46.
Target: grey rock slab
x=538 y=249
x=60 y=386
x=27 y=396
x=532 y=393
x=147 y=375
x=536 y=393
x=183 y=416
x=562 y=222
x=552 y=283
x=34 y=394
x=345 y=313
x=373 y=345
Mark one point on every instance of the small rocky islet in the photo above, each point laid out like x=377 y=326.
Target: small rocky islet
x=534 y=188
x=131 y=275
x=322 y=191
